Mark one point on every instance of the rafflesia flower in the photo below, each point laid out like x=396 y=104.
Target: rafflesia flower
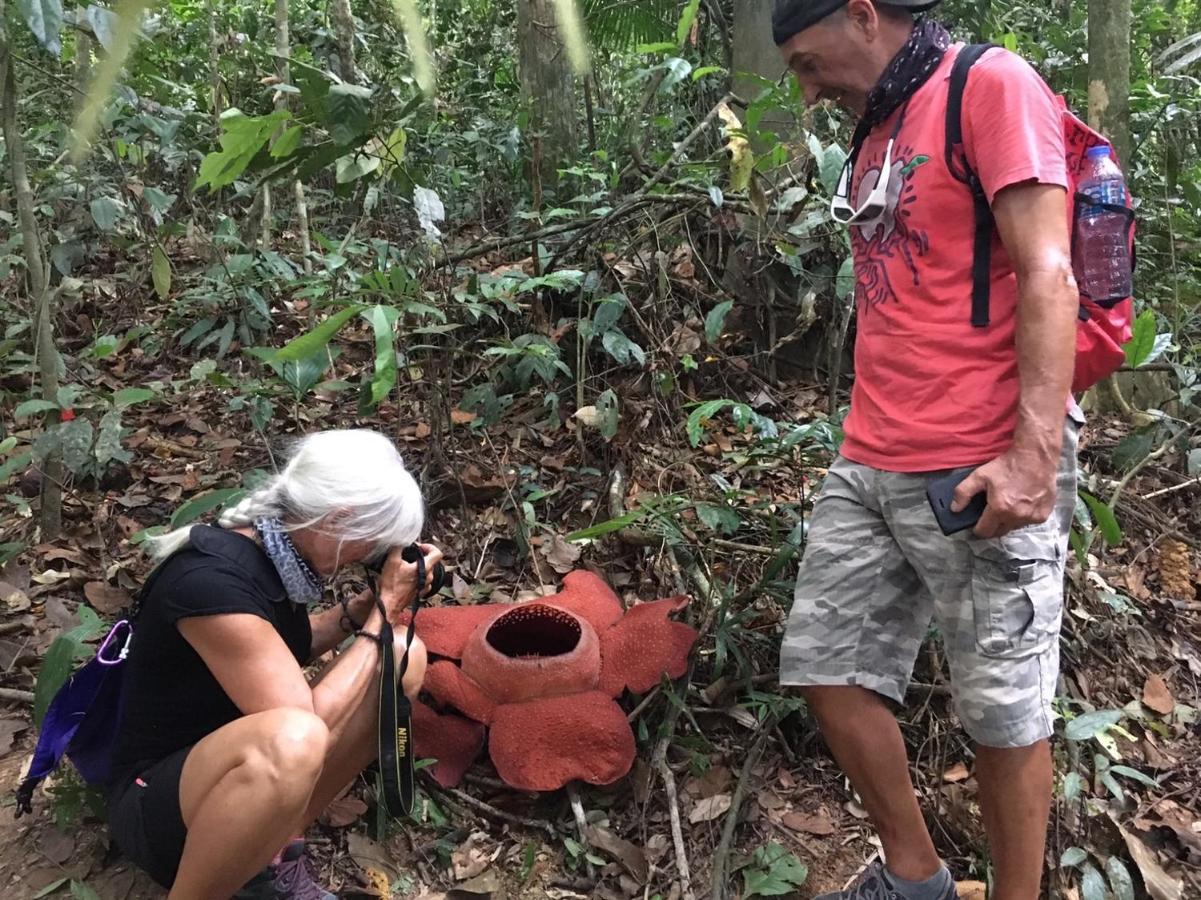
x=542 y=677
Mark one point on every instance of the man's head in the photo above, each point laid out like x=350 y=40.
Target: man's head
x=838 y=49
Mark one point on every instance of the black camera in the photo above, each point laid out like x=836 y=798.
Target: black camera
x=412 y=554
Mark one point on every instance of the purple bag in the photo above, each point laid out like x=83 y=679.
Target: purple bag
x=83 y=719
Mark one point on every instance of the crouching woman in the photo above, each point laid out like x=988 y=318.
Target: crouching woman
x=226 y=752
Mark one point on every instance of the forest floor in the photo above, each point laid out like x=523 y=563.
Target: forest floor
x=1131 y=643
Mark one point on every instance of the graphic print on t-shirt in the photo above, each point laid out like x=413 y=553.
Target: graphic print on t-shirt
x=891 y=235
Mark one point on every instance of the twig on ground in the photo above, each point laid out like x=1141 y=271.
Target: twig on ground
x=491 y=812
x=721 y=855
x=1192 y=482
x=13 y=627
x=15 y=694
x=577 y=811
x=677 y=831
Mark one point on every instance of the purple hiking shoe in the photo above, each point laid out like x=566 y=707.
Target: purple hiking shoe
x=289 y=879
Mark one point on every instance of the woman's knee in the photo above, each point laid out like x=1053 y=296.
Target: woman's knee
x=291 y=744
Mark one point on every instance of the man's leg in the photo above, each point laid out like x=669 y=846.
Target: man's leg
x=1015 y=797
x=863 y=735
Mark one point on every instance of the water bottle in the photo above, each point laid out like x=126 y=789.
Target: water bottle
x=1102 y=248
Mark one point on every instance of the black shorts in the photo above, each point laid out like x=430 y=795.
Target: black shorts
x=145 y=821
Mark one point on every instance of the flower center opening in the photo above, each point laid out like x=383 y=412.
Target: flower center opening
x=534 y=631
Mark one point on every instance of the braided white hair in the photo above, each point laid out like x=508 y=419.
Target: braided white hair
x=355 y=471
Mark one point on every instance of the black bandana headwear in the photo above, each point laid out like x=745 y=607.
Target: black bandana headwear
x=791 y=17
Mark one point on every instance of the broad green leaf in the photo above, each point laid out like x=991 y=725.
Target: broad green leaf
x=684 y=26
x=287 y=142
x=773 y=871
x=1120 y=882
x=308 y=344
x=383 y=321
x=60 y=659
x=1073 y=856
x=1135 y=774
x=699 y=417
x=348 y=112
x=76 y=440
x=125 y=33
x=104 y=346
x=354 y=166
x=1104 y=517
x=676 y=70
x=1132 y=449
x=718 y=517
x=610 y=415
x=392 y=150
x=622 y=349
x=130 y=396
x=698 y=74
x=1073 y=786
x=1090 y=725
x=715 y=320
x=1092 y=884
x=1139 y=347
x=103 y=23
x=242 y=137
x=108 y=440
x=45 y=21
x=8 y=443
x=198 y=506
x=14 y=464
x=844 y=283
x=606 y=312
x=80 y=891
x=160 y=272
x=9 y=551
x=657 y=47
x=32 y=407
x=104 y=212
x=50 y=888
x=830 y=164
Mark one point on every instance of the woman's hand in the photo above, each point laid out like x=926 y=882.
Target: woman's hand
x=398 y=580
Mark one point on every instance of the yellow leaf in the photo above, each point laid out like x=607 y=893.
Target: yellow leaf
x=742 y=160
x=160 y=273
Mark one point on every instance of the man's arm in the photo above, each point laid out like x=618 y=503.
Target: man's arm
x=1032 y=223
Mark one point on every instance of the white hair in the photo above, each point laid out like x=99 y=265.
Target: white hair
x=355 y=472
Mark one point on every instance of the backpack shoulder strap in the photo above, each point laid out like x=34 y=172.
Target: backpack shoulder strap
x=961 y=170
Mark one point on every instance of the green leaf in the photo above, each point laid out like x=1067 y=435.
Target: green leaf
x=606 y=312
x=1090 y=725
x=1120 y=882
x=348 y=112
x=383 y=321
x=76 y=437
x=698 y=74
x=130 y=396
x=607 y=527
x=1073 y=786
x=844 y=284
x=1092 y=884
x=715 y=320
x=610 y=416
x=80 y=891
x=1139 y=347
x=308 y=344
x=1135 y=774
x=773 y=871
x=104 y=212
x=14 y=464
x=60 y=659
x=242 y=137
x=657 y=47
x=108 y=439
x=1103 y=515
x=45 y=21
x=830 y=164
x=700 y=416
x=160 y=273
x=9 y=551
x=198 y=506
x=1073 y=856
x=684 y=26
x=354 y=166
x=622 y=349
x=287 y=142
x=1132 y=449
x=49 y=889
x=718 y=517
x=28 y=408
x=8 y=443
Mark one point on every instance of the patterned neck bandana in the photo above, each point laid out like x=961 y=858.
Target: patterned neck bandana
x=909 y=70
x=303 y=585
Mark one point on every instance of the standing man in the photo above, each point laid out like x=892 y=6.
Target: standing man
x=934 y=392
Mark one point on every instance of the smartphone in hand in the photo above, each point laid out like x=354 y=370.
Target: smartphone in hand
x=941 y=492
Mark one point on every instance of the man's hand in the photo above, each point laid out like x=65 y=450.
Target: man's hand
x=1021 y=491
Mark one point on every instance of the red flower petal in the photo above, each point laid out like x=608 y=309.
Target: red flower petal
x=445 y=629
x=586 y=594
x=450 y=686
x=541 y=745
x=643 y=645
x=452 y=740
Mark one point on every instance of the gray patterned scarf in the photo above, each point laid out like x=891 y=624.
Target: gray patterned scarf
x=303 y=585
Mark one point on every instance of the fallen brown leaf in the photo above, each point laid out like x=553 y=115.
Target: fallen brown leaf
x=631 y=856
x=971 y=890
x=561 y=555
x=105 y=598
x=1160 y=885
x=462 y=416
x=343 y=811
x=56 y=846
x=1157 y=697
x=710 y=808
x=819 y=824
x=369 y=855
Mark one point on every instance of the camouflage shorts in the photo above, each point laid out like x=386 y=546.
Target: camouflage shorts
x=877 y=570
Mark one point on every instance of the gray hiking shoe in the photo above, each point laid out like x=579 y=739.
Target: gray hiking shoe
x=289 y=879
x=873 y=884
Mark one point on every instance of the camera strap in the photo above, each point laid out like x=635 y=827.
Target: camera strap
x=396 y=712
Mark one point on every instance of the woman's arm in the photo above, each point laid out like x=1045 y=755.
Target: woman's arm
x=327 y=625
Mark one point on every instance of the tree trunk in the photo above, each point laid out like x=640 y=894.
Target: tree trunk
x=342 y=17
x=1109 y=113
x=283 y=71
x=215 y=83
x=547 y=86
x=39 y=288
x=754 y=53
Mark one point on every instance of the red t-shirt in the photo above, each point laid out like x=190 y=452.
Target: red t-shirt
x=932 y=392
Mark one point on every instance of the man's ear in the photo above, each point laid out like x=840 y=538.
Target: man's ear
x=863 y=17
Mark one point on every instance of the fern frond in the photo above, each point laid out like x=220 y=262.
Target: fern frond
x=624 y=24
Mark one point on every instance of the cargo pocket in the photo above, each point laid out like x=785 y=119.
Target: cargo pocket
x=1017 y=599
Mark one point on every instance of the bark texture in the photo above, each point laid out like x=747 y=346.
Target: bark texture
x=548 y=87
